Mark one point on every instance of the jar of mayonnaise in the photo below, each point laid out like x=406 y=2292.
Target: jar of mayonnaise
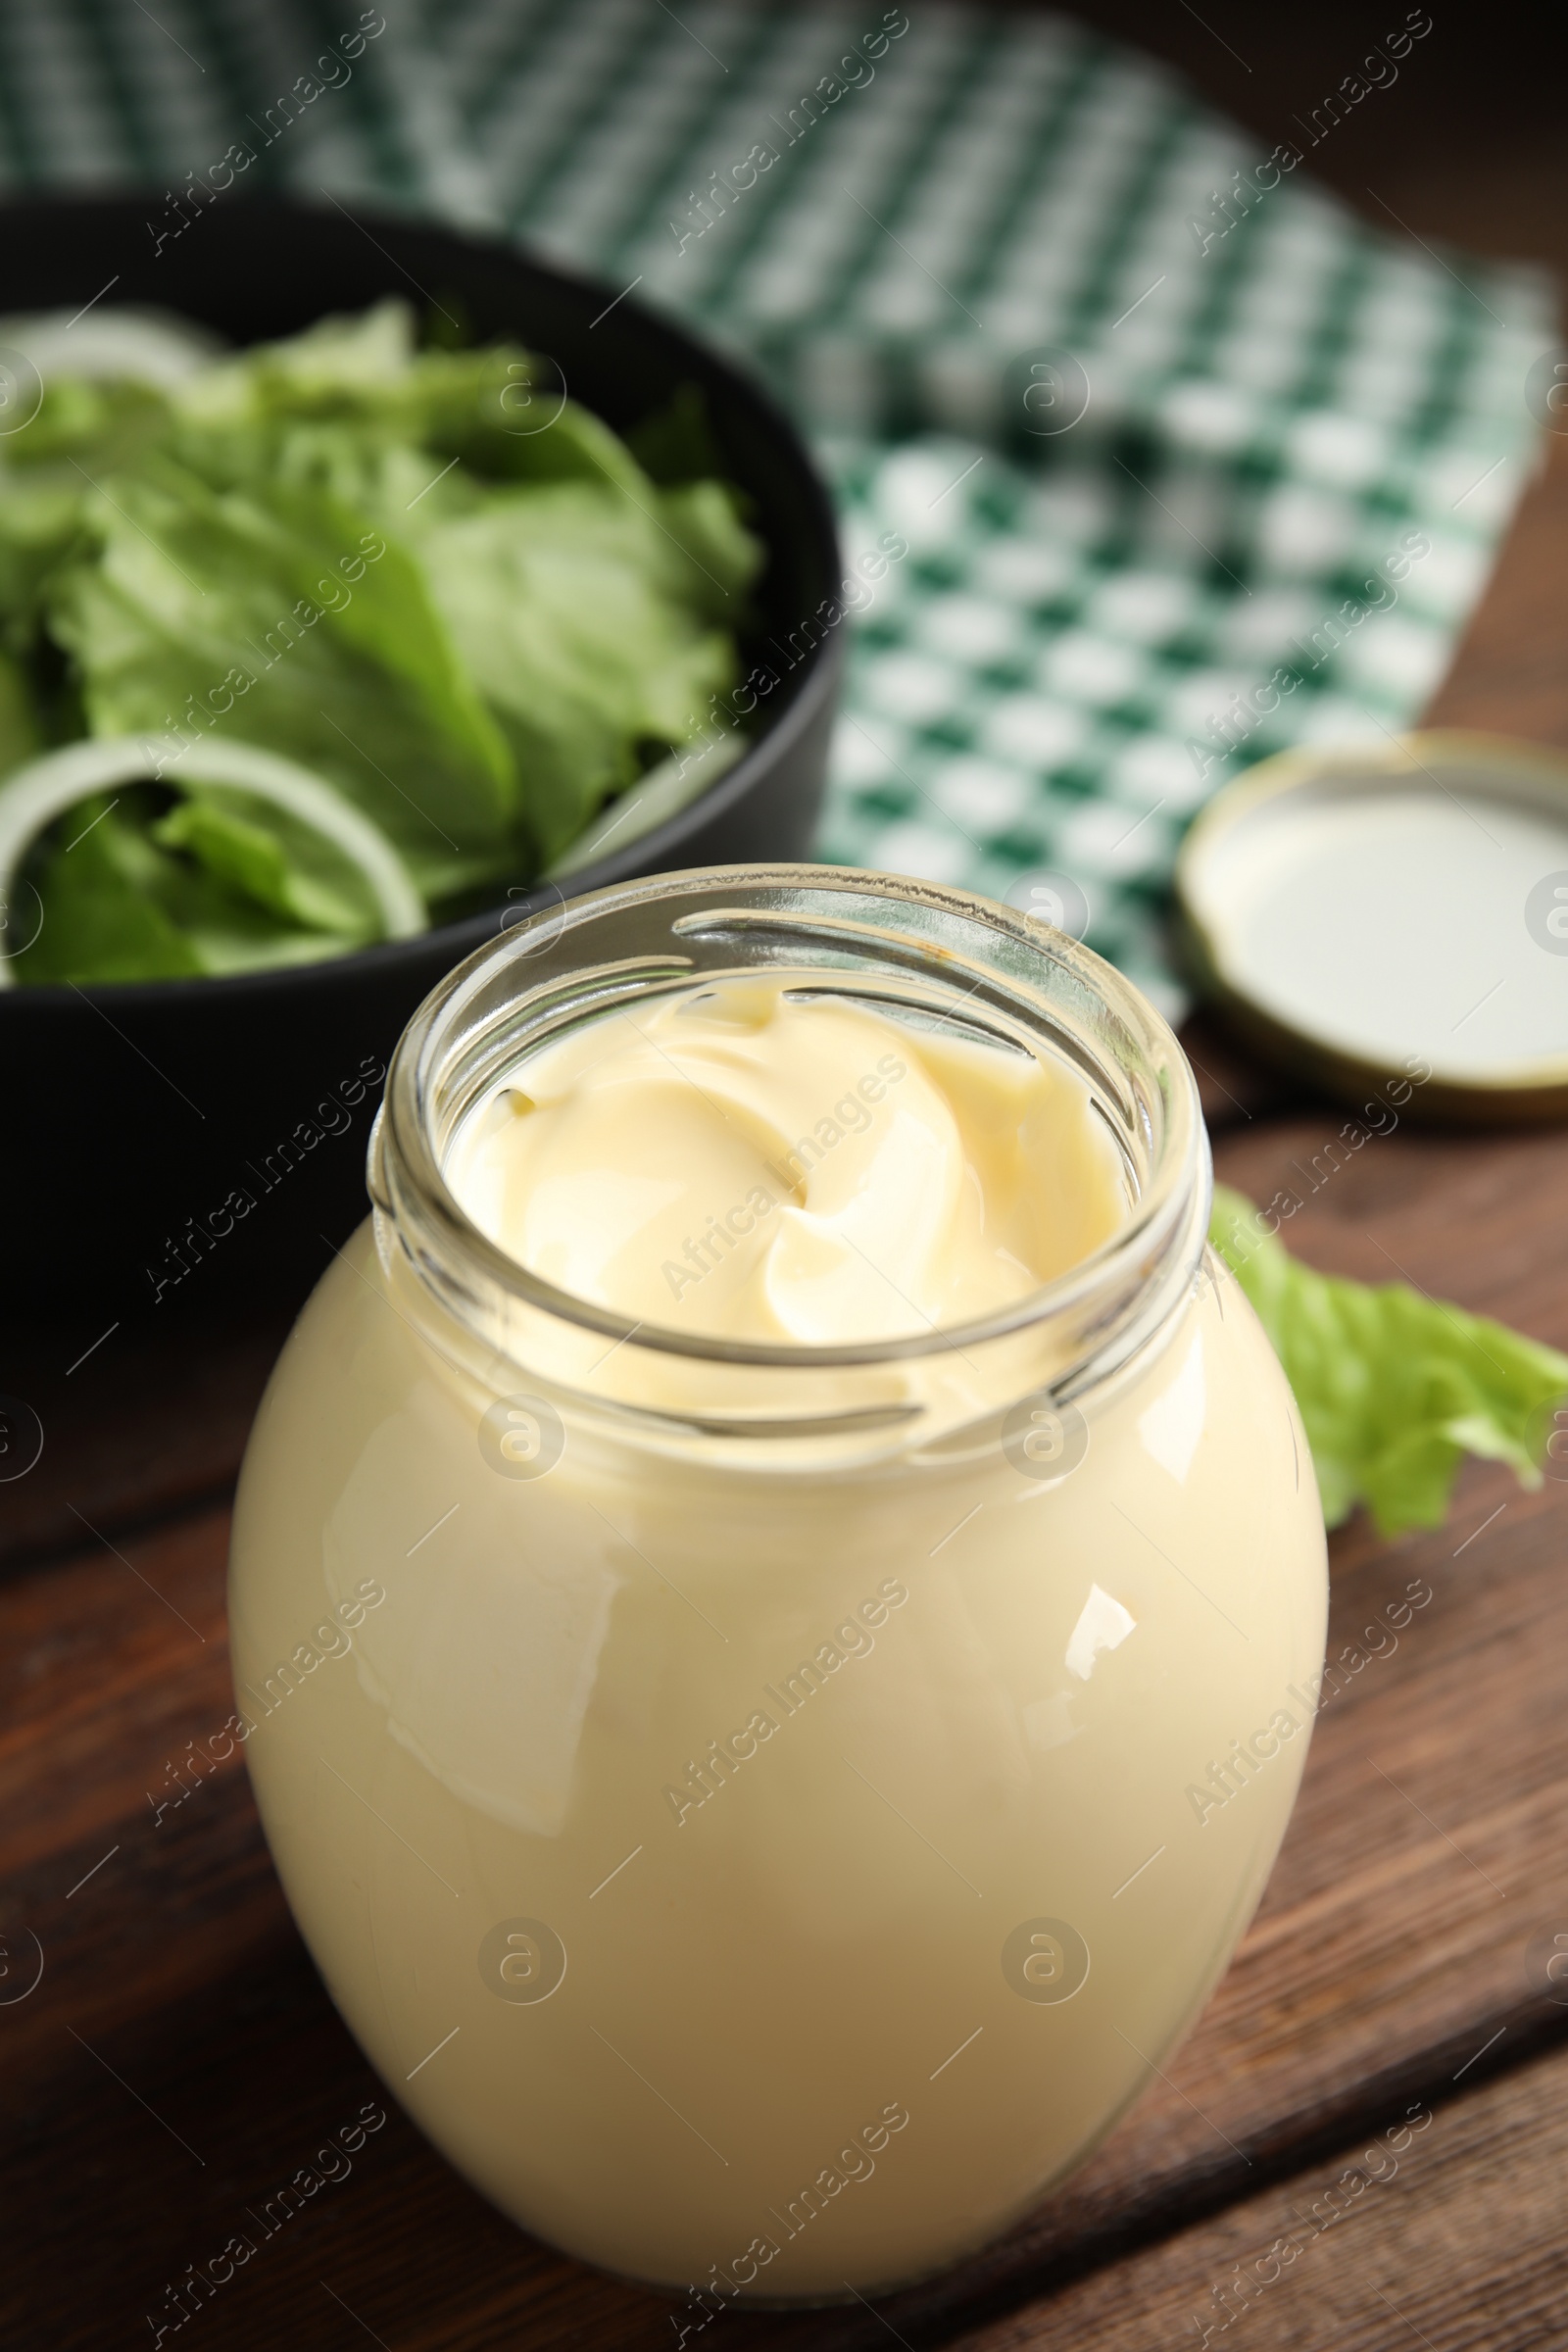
x=776 y=1582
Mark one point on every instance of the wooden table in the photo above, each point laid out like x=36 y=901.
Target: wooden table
x=178 y=2059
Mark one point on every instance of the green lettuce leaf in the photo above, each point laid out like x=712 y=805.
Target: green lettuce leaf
x=121 y=903
x=274 y=615
x=19 y=719
x=40 y=528
x=104 y=887
x=269 y=858
x=583 y=617
x=97 y=422
x=422 y=575
x=498 y=409
x=1393 y=1387
x=341 y=363
x=677 y=443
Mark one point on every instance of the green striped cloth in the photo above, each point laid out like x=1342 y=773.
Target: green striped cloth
x=936 y=235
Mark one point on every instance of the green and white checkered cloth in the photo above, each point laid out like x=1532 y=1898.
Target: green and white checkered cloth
x=1272 y=411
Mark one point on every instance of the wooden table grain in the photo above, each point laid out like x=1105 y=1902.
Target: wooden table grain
x=1363 y=2143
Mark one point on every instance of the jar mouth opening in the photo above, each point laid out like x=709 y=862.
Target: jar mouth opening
x=908 y=946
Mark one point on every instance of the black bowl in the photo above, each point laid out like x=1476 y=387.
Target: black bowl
x=208 y=1135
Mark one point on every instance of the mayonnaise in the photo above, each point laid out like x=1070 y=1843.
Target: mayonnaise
x=753 y=1160
x=774 y=1813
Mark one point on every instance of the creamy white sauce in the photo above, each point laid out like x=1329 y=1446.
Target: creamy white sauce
x=744 y=1159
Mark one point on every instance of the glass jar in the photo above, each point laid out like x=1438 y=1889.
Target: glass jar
x=767 y=1810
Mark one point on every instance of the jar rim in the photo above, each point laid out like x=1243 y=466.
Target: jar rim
x=1040 y=974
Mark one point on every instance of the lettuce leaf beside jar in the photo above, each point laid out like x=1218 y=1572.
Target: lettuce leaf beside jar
x=1393 y=1388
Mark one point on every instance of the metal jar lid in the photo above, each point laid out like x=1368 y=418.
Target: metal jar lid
x=1393 y=914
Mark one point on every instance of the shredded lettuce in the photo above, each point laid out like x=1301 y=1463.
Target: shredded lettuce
x=1393 y=1388
x=427 y=579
